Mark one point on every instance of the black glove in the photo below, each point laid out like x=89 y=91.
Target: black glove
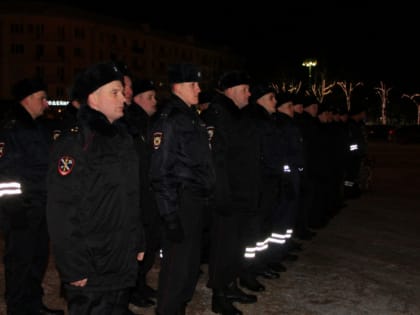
x=173 y=228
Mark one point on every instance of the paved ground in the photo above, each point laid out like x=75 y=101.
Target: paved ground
x=365 y=262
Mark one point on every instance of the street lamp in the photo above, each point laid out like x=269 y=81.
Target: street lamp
x=309 y=63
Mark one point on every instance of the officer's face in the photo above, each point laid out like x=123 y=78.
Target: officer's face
x=36 y=104
x=109 y=99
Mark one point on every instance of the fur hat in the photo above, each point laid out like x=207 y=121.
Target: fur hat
x=359 y=100
x=183 y=72
x=143 y=85
x=233 y=78
x=283 y=97
x=93 y=78
x=308 y=100
x=261 y=89
x=26 y=87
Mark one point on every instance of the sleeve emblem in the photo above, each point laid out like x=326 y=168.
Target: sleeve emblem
x=157 y=139
x=65 y=165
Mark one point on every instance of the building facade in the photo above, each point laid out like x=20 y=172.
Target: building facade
x=56 y=42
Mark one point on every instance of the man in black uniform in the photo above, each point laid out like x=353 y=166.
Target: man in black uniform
x=24 y=151
x=139 y=116
x=93 y=205
x=231 y=200
x=182 y=177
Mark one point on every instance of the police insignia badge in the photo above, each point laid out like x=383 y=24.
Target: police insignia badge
x=1 y=149
x=157 y=139
x=65 y=165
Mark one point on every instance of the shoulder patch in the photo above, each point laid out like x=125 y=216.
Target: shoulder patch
x=65 y=165
x=157 y=139
x=1 y=149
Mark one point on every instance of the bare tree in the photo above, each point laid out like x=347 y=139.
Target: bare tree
x=321 y=90
x=383 y=93
x=347 y=88
x=416 y=99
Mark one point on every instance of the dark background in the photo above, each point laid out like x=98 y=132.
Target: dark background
x=354 y=42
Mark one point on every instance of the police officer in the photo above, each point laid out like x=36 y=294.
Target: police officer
x=24 y=152
x=93 y=205
x=139 y=116
x=228 y=138
x=357 y=142
x=182 y=176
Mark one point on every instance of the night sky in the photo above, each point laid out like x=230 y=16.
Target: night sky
x=351 y=42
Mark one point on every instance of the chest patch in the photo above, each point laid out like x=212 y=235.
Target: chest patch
x=65 y=165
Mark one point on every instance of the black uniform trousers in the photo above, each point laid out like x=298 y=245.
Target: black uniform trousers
x=180 y=263
x=225 y=250
x=25 y=259
x=152 y=233
x=286 y=213
x=82 y=301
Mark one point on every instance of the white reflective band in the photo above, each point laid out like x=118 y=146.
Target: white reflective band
x=353 y=147
x=289 y=231
x=286 y=168
x=261 y=246
x=249 y=255
x=278 y=236
x=276 y=240
x=161 y=253
x=348 y=183
x=300 y=169
x=250 y=252
x=12 y=188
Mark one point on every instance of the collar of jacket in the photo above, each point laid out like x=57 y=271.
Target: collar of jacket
x=97 y=122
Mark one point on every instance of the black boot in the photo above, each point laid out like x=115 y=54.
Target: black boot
x=235 y=294
x=220 y=304
x=250 y=282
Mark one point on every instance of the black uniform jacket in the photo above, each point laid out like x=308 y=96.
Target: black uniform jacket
x=139 y=124
x=93 y=204
x=181 y=157
x=24 y=149
x=236 y=154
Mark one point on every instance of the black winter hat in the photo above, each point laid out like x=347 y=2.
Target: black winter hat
x=142 y=85
x=26 y=87
x=308 y=100
x=183 y=72
x=359 y=100
x=93 y=78
x=283 y=97
x=233 y=78
x=260 y=89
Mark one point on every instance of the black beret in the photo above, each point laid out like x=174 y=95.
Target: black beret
x=183 y=72
x=93 y=78
x=260 y=89
x=26 y=87
x=233 y=78
x=142 y=85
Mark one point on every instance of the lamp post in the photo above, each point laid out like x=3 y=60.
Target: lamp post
x=309 y=63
